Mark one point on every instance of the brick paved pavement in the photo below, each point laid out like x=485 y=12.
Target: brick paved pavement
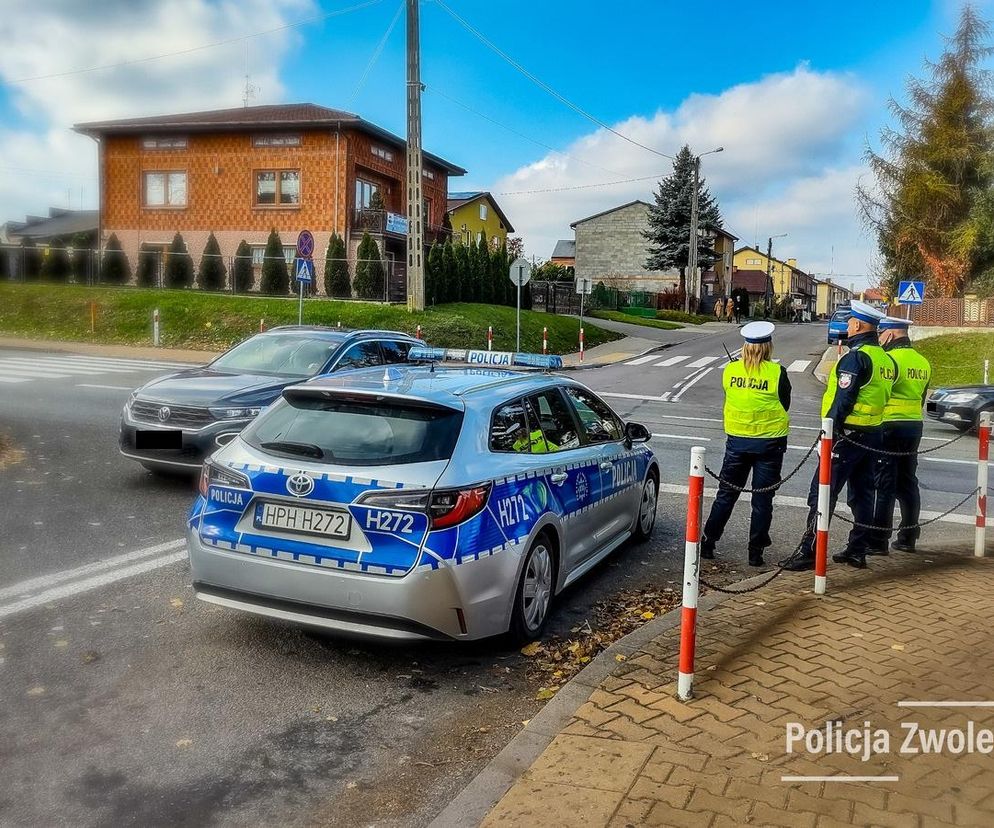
x=910 y=628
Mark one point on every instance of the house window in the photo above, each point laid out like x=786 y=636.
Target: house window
x=380 y=152
x=364 y=193
x=258 y=256
x=426 y=211
x=275 y=140
x=753 y=261
x=428 y=174
x=483 y=212
x=164 y=143
x=289 y=253
x=165 y=189
x=277 y=187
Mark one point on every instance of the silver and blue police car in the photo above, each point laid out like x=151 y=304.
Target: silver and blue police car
x=421 y=502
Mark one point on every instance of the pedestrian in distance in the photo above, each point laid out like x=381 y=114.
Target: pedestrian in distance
x=729 y=309
x=719 y=309
x=858 y=388
x=897 y=476
x=757 y=399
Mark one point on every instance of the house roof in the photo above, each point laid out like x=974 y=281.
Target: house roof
x=754 y=281
x=611 y=210
x=457 y=200
x=773 y=258
x=59 y=222
x=244 y=118
x=564 y=249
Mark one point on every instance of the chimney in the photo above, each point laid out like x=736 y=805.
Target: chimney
x=792 y=262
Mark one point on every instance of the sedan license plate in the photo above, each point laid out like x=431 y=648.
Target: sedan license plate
x=303 y=520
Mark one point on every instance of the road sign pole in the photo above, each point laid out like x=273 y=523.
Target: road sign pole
x=300 y=308
x=517 y=340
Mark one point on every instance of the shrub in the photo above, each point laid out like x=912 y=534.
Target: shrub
x=370 y=280
x=241 y=272
x=210 y=275
x=179 y=265
x=114 y=268
x=450 y=279
x=30 y=260
x=275 y=275
x=55 y=267
x=336 y=269
x=147 y=270
x=461 y=289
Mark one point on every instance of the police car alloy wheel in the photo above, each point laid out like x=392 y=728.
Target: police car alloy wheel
x=647 y=509
x=531 y=604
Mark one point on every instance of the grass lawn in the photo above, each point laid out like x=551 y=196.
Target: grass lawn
x=680 y=316
x=212 y=321
x=958 y=359
x=618 y=316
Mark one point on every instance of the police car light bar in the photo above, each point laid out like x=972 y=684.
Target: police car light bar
x=494 y=359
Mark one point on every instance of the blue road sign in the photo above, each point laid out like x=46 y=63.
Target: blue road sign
x=304 y=271
x=305 y=244
x=910 y=293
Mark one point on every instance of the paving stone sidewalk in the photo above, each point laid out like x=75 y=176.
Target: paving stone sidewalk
x=912 y=627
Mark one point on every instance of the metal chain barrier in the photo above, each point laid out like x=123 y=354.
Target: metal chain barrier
x=921 y=524
x=775 y=486
x=848 y=439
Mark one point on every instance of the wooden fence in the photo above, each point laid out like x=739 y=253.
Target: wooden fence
x=949 y=313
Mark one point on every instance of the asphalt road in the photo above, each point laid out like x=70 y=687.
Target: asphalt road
x=127 y=702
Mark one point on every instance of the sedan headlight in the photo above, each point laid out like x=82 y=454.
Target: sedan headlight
x=960 y=397
x=234 y=413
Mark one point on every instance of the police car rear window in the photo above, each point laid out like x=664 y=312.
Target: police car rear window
x=355 y=432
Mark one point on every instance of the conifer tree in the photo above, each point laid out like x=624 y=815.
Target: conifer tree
x=450 y=277
x=242 y=272
x=275 y=275
x=463 y=288
x=336 y=269
x=212 y=271
x=179 y=264
x=114 y=268
x=370 y=279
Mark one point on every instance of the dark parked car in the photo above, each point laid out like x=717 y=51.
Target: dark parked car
x=173 y=422
x=960 y=406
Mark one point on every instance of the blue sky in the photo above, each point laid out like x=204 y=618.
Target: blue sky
x=792 y=91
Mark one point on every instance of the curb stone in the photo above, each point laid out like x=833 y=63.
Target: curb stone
x=484 y=791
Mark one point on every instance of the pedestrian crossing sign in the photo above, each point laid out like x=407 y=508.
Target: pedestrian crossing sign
x=910 y=293
x=305 y=271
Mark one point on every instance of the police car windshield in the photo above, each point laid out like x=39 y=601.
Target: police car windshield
x=357 y=432
x=289 y=355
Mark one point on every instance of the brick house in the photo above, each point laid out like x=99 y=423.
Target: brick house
x=240 y=172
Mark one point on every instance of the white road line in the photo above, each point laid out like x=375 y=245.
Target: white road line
x=702 y=362
x=124 y=362
x=690 y=384
x=682 y=437
x=108 y=387
x=34 y=373
x=635 y=397
x=78 y=585
x=798 y=365
x=53 y=365
x=642 y=360
x=15 y=379
x=676 y=360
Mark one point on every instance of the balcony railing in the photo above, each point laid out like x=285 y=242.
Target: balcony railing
x=383 y=222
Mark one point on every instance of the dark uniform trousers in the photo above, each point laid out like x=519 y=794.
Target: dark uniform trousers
x=763 y=457
x=897 y=479
x=856 y=466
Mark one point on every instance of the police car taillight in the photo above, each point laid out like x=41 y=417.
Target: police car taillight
x=213 y=473
x=451 y=506
x=205 y=479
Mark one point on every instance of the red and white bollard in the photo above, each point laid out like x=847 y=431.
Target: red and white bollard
x=262 y=325
x=417 y=334
x=824 y=506
x=691 y=575
x=490 y=337
x=155 y=328
x=581 y=344
x=983 y=441
x=545 y=340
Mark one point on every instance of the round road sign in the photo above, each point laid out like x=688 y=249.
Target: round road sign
x=305 y=244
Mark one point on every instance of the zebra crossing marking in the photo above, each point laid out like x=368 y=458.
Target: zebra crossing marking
x=642 y=360
x=18 y=369
x=671 y=361
x=702 y=362
x=799 y=365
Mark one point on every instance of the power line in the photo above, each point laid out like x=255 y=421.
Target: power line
x=513 y=131
x=543 y=85
x=203 y=46
x=584 y=186
x=376 y=54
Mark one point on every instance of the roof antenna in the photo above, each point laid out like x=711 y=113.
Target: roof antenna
x=250 y=89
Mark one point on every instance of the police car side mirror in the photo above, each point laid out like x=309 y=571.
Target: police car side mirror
x=636 y=433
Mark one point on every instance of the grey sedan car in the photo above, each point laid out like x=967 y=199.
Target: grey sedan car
x=420 y=502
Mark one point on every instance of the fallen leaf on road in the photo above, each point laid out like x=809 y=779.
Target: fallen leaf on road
x=61 y=643
x=531 y=649
x=176 y=603
x=331 y=718
x=90 y=656
x=36 y=691
x=648 y=615
x=184 y=743
x=620 y=657
x=545 y=693
x=351 y=785
x=899 y=647
x=762 y=757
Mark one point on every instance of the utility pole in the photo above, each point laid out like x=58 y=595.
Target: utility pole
x=415 y=231
x=768 y=303
x=691 y=280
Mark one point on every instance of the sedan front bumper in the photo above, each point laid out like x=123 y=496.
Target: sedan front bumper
x=196 y=446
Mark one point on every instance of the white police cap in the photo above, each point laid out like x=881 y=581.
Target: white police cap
x=757 y=332
x=892 y=323
x=865 y=312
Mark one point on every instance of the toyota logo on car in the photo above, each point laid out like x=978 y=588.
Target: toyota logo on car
x=300 y=485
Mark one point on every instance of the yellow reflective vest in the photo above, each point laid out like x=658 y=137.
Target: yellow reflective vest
x=913 y=376
x=752 y=401
x=872 y=397
x=535 y=443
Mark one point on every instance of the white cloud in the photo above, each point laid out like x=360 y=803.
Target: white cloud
x=40 y=160
x=789 y=165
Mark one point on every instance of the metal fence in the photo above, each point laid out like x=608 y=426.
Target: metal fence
x=86 y=267
x=561 y=297
x=949 y=312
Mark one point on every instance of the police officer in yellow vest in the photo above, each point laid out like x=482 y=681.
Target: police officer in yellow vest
x=757 y=398
x=859 y=386
x=897 y=477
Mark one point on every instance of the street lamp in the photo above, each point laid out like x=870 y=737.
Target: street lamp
x=769 y=270
x=692 y=250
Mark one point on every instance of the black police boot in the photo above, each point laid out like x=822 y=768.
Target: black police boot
x=707 y=549
x=801 y=562
x=879 y=550
x=902 y=546
x=853 y=559
x=756 y=557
